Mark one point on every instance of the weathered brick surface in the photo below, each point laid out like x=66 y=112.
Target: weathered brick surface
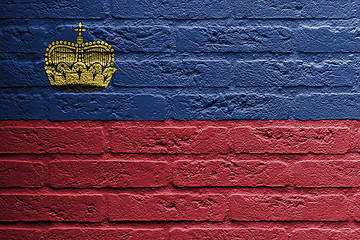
x=229 y=106
x=91 y=165
x=22 y=106
x=259 y=73
x=301 y=9
x=180 y=174
x=234 y=39
x=289 y=208
x=107 y=106
x=328 y=39
x=234 y=173
x=169 y=140
x=117 y=174
x=177 y=9
x=291 y=140
x=22 y=174
x=173 y=73
x=318 y=233
x=51 y=140
x=107 y=233
x=326 y=174
x=20 y=39
x=53 y=208
x=167 y=207
x=21 y=233
x=138 y=39
x=341 y=105
x=22 y=74
x=77 y=9
x=228 y=233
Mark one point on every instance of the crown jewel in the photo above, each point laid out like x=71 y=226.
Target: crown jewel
x=79 y=67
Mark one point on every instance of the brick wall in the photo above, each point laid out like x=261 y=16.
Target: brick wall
x=213 y=59
x=76 y=165
x=180 y=180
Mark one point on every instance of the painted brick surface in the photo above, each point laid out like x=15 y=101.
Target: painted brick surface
x=328 y=39
x=291 y=140
x=234 y=173
x=22 y=174
x=183 y=9
x=234 y=39
x=289 y=208
x=208 y=233
x=208 y=60
x=53 y=208
x=302 y=9
x=169 y=140
x=106 y=233
x=173 y=73
x=225 y=119
x=167 y=207
x=326 y=174
x=258 y=73
x=63 y=9
x=316 y=233
x=51 y=140
x=161 y=186
x=18 y=233
x=99 y=174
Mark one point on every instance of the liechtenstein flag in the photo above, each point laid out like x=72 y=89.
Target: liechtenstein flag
x=179 y=119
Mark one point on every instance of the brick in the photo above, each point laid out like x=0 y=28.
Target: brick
x=288 y=208
x=76 y=9
x=55 y=208
x=21 y=107
x=24 y=39
x=179 y=73
x=180 y=9
x=317 y=233
x=328 y=106
x=299 y=9
x=167 y=207
x=117 y=174
x=106 y=233
x=228 y=233
x=124 y=39
x=274 y=139
x=331 y=73
x=326 y=174
x=168 y=140
x=98 y=106
x=22 y=74
x=260 y=73
x=229 y=106
x=327 y=39
x=51 y=140
x=234 y=39
x=356 y=210
x=21 y=233
x=234 y=173
x=22 y=174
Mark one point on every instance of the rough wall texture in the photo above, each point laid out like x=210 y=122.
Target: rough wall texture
x=187 y=59
x=180 y=179
x=285 y=164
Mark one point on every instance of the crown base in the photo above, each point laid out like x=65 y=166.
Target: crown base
x=78 y=88
x=81 y=78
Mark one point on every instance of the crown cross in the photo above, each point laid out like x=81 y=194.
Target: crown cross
x=80 y=38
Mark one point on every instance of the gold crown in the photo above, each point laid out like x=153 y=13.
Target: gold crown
x=79 y=67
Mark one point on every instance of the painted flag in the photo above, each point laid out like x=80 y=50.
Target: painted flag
x=217 y=119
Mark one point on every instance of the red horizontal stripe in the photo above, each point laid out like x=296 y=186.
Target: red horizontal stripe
x=173 y=137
